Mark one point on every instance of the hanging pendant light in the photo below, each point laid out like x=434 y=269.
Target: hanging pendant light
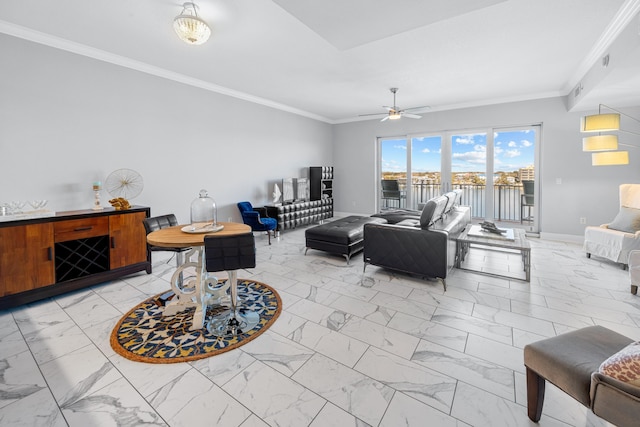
x=600 y=123
x=610 y=158
x=190 y=27
x=600 y=143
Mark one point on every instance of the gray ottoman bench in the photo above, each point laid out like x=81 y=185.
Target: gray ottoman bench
x=571 y=361
x=343 y=236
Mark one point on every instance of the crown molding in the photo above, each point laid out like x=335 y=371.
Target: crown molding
x=622 y=18
x=122 y=61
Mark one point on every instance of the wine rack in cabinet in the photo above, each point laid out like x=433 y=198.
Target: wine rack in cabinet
x=43 y=257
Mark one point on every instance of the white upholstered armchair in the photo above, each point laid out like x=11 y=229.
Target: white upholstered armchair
x=615 y=240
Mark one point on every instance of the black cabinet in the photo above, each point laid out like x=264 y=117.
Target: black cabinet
x=321 y=182
x=297 y=214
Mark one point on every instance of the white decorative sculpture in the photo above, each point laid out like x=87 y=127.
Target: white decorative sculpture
x=276 y=193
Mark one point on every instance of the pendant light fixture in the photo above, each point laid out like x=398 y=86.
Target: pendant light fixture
x=604 y=148
x=610 y=158
x=189 y=26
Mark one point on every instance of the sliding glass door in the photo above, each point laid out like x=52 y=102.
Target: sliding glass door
x=393 y=173
x=495 y=168
x=516 y=187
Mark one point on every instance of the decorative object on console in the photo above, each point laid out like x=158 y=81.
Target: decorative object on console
x=204 y=210
x=124 y=184
x=119 y=204
x=288 y=195
x=190 y=27
x=97 y=186
x=13 y=211
x=302 y=189
x=276 y=193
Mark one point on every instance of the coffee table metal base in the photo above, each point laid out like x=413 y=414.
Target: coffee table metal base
x=520 y=244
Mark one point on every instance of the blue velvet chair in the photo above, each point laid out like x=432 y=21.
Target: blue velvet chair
x=257 y=218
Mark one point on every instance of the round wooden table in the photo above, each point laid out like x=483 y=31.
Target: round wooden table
x=174 y=237
x=196 y=292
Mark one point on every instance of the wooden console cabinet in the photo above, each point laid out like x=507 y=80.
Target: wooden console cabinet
x=43 y=257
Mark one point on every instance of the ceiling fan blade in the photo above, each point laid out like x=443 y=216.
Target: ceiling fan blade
x=414 y=109
x=411 y=116
x=385 y=118
x=371 y=114
x=389 y=108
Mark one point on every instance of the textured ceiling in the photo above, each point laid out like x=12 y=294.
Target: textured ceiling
x=334 y=60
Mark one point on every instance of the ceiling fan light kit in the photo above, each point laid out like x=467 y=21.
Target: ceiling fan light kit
x=189 y=27
x=395 y=113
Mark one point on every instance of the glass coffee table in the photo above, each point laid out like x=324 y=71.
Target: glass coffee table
x=514 y=240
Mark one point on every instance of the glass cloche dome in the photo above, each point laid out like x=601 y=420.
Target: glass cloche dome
x=203 y=209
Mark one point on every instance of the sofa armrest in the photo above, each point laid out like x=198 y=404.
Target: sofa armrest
x=408 y=249
x=615 y=401
x=262 y=211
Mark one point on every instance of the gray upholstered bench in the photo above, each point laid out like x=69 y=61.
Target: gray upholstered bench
x=343 y=236
x=571 y=361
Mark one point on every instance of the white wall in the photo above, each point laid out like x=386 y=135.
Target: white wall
x=586 y=191
x=67 y=121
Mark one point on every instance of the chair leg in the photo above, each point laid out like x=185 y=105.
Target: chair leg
x=634 y=289
x=269 y=236
x=535 y=395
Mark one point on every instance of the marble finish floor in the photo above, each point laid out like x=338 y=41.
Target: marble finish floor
x=349 y=349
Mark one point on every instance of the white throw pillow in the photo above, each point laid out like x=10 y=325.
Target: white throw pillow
x=627 y=220
x=624 y=365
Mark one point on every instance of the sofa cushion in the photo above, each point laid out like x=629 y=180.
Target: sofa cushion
x=432 y=211
x=624 y=365
x=397 y=215
x=627 y=220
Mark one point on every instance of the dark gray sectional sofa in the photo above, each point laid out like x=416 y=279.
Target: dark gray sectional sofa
x=421 y=243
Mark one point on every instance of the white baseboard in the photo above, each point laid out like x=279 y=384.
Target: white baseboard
x=562 y=237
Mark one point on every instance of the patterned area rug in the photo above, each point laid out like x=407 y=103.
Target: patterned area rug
x=145 y=335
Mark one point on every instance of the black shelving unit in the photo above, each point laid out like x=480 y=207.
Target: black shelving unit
x=321 y=182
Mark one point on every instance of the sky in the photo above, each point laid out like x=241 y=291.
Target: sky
x=512 y=150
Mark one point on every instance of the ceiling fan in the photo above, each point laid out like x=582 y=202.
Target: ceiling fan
x=394 y=113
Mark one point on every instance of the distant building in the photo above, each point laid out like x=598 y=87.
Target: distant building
x=526 y=174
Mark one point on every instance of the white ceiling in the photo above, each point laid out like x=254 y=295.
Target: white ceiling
x=336 y=59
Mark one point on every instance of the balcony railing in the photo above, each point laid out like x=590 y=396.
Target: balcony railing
x=506 y=198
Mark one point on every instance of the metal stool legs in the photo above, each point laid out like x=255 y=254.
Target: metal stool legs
x=233 y=321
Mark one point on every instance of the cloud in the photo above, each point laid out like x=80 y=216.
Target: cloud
x=402 y=147
x=512 y=153
x=464 y=140
x=526 y=143
x=512 y=144
x=425 y=150
x=498 y=150
x=478 y=156
x=392 y=166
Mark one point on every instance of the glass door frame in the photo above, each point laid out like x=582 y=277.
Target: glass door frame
x=533 y=226
x=446 y=168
